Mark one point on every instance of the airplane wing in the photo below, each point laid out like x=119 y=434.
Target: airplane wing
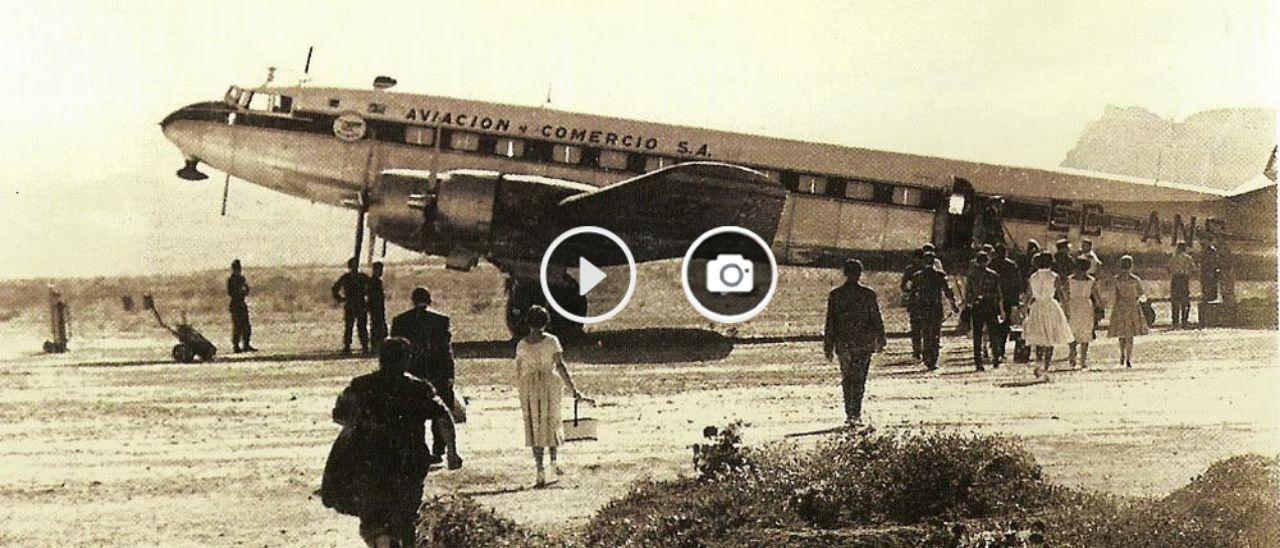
x=661 y=212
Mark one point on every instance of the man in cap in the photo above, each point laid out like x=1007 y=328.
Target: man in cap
x=1012 y=285
x=985 y=297
x=929 y=286
x=919 y=263
x=1181 y=267
x=429 y=333
x=352 y=289
x=238 y=291
x=854 y=331
x=1087 y=252
x=1064 y=264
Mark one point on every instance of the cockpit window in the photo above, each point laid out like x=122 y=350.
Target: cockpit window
x=267 y=102
x=233 y=95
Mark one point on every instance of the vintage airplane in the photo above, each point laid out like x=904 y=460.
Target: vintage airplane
x=469 y=180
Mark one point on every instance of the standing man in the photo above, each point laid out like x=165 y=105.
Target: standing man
x=854 y=331
x=238 y=291
x=1012 y=285
x=429 y=333
x=1181 y=267
x=985 y=299
x=377 y=299
x=351 y=290
x=1086 y=251
x=1209 y=272
x=930 y=286
x=1063 y=263
x=908 y=296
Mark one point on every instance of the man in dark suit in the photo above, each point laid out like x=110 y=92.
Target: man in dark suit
x=351 y=290
x=854 y=331
x=1012 y=285
x=985 y=299
x=428 y=332
x=930 y=287
x=908 y=296
x=377 y=299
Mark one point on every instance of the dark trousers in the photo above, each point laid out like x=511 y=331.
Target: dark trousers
x=854 y=365
x=358 y=319
x=396 y=517
x=377 y=327
x=985 y=318
x=931 y=335
x=1000 y=337
x=914 y=318
x=241 y=330
x=1208 y=287
x=1180 y=299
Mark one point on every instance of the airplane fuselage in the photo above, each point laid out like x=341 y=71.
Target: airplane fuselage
x=331 y=145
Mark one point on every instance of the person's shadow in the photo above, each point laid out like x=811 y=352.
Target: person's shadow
x=649 y=345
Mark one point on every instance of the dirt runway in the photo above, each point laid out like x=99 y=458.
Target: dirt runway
x=114 y=446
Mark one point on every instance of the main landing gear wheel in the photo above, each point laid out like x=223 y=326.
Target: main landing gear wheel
x=522 y=294
x=183 y=353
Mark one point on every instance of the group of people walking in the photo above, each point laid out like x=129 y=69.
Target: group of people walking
x=1053 y=296
x=379 y=462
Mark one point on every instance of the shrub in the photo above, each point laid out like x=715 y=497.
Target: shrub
x=724 y=454
x=857 y=478
x=457 y=521
x=1236 y=502
x=865 y=477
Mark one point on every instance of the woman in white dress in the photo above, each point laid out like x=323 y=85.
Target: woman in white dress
x=1046 y=325
x=540 y=378
x=1082 y=303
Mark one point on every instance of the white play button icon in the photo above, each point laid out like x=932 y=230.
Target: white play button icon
x=594 y=242
x=588 y=276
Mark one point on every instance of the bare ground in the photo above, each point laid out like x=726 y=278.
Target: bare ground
x=113 y=446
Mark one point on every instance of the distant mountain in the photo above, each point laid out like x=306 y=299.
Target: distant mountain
x=1220 y=148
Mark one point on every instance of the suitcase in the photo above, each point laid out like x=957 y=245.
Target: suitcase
x=580 y=428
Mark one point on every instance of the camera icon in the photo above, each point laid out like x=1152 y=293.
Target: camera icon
x=729 y=273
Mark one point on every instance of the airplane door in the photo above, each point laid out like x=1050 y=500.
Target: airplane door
x=953 y=226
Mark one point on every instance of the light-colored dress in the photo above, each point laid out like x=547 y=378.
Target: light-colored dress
x=1126 y=312
x=1046 y=324
x=1080 y=308
x=540 y=389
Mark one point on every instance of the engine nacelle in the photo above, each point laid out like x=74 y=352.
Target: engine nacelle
x=401 y=204
x=468 y=214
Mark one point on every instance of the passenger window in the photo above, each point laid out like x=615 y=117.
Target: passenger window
x=612 y=159
x=511 y=148
x=468 y=142
x=860 y=190
x=566 y=154
x=421 y=136
x=812 y=184
x=377 y=108
x=653 y=163
x=334 y=103
x=284 y=106
x=907 y=196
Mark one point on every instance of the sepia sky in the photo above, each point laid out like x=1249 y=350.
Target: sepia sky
x=86 y=169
